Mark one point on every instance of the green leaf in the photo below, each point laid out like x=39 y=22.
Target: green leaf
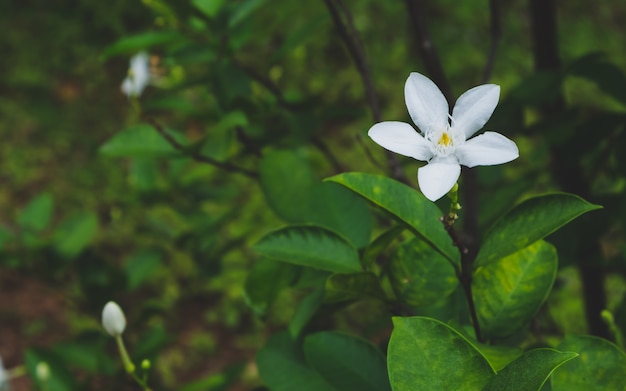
x=294 y=193
x=265 y=281
x=141 y=266
x=305 y=311
x=208 y=7
x=282 y=367
x=530 y=221
x=405 y=204
x=354 y=286
x=529 y=372
x=37 y=214
x=346 y=362
x=426 y=354
x=420 y=275
x=381 y=243
x=499 y=356
x=608 y=77
x=509 y=292
x=75 y=233
x=601 y=365
x=139 y=141
x=310 y=246
x=136 y=43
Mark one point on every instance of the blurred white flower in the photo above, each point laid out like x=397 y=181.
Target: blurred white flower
x=113 y=319
x=138 y=75
x=444 y=140
x=4 y=377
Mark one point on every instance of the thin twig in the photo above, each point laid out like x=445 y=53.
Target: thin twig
x=350 y=35
x=323 y=148
x=269 y=85
x=196 y=156
x=496 y=35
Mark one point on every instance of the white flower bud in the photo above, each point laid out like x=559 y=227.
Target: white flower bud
x=113 y=319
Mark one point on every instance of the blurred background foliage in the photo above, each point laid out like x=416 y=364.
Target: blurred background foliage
x=97 y=206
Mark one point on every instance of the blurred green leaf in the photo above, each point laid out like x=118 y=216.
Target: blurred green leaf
x=310 y=246
x=265 y=281
x=139 y=141
x=37 y=213
x=529 y=372
x=528 y=222
x=381 y=243
x=87 y=354
x=143 y=173
x=217 y=381
x=141 y=266
x=346 y=362
x=243 y=10
x=353 y=286
x=208 y=7
x=509 y=292
x=419 y=274
x=607 y=76
x=601 y=365
x=60 y=377
x=297 y=196
x=405 y=204
x=426 y=354
x=305 y=311
x=143 y=41
x=75 y=233
x=282 y=367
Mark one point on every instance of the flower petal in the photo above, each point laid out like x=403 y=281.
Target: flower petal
x=473 y=109
x=488 y=149
x=426 y=104
x=436 y=179
x=400 y=137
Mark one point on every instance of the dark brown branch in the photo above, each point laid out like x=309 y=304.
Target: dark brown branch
x=567 y=171
x=323 y=148
x=495 y=35
x=196 y=156
x=269 y=85
x=350 y=36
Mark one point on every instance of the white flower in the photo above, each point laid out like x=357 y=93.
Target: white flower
x=138 y=75
x=444 y=140
x=4 y=377
x=113 y=319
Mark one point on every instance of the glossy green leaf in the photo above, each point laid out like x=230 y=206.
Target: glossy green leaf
x=425 y=354
x=529 y=372
x=420 y=275
x=265 y=281
x=353 y=286
x=346 y=362
x=138 y=141
x=509 y=292
x=75 y=233
x=310 y=246
x=405 y=204
x=282 y=367
x=37 y=213
x=296 y=195
x=499 y=356
x=530 y=221
x=601 y=365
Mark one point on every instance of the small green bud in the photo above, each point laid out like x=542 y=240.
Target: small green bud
x=146 y=364
x=130 y=368
x=43 y=371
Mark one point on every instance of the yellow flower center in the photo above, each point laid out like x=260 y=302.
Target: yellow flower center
x=445 y=140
